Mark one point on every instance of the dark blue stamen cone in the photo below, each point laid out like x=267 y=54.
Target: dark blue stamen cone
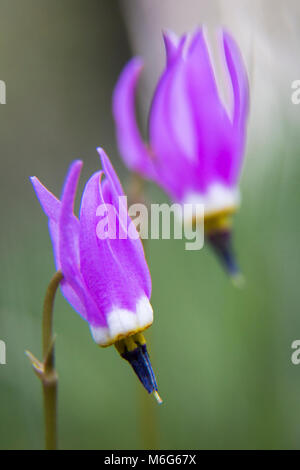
x=139 y=360
x=221 y=241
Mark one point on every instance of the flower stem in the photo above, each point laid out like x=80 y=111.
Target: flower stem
x=46 y=370
x=48 y=313
x=50 y=376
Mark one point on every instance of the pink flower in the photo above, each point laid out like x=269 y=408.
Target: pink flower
x=196 y=146
x=107 y=281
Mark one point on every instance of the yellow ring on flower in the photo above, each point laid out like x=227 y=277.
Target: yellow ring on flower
x=217 y=220
x=122 y=336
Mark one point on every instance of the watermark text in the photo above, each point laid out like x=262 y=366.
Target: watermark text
x=2 y=92
x=117 y=221
x=2 y=352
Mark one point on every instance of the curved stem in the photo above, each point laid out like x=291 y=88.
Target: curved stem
x=48 y=312
x=45 y=370
x=50 y=378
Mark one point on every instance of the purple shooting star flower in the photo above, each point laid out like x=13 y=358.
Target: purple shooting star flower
x=196 y=145
x=106 y=280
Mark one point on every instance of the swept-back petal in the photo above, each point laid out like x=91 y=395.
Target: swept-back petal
x=180 y=113
x=131 y=145
x=50 y=204
x=110 y=270
x=171 y=148
x=99 y=268
x=69 y=242
x=214 y=129
x=110 y=173
x=52 y=208
x=131 y=252
x=199 y=58
x=228 y=165
x=128 y=276
x=171 y=41
x=239 y=79
x=68 y=224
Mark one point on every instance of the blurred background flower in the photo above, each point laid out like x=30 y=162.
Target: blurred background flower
x=60 y=62
x=195 y=146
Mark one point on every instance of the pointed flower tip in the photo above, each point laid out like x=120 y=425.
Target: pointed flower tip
x=133 y=67
x=77 y=164
x=101 y=152
x=32 y=180
x=157 y=397
x=238 y=280
x=226 y=35
x=133 y=349
x=103 y=156
x=138 y=61
x=169 y=35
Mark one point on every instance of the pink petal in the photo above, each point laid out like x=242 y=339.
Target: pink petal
x=214 y=129
x=69 y=241
x=170 y=159
x=239 y=79
x=171 y=41
x=131 y=253
x=113 y=269
x=52 y=207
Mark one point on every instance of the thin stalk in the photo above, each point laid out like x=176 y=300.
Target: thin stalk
x=50 y=379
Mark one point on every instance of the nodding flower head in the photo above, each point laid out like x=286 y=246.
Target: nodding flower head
x=196 y=145
x=106 y=279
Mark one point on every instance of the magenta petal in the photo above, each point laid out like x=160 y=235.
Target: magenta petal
x=114 y=192
x=198 y=56
x=110 y=173
x=131 y=145
x=106 y=280
x=69 y=224
x=49 y=203
x=171 y=41
x=228 y=167
x=69 y=242
x=52 y=207
x=129 y=251
x=114 y=270
x=214 y=129
x=102 y=272
x=180 y=114
x=172 y=167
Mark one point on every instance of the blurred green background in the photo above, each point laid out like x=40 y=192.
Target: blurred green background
x=221 y=355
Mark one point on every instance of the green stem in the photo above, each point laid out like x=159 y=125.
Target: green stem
x=50 y=414
x=48 y=312
x=45 y=370
x=49 y=377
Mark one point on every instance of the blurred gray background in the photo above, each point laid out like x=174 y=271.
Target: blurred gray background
x=221 y=355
